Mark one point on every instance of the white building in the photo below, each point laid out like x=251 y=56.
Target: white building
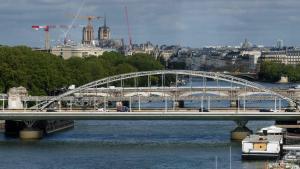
x=68 y=51
x=166 y=54
x=288 y=57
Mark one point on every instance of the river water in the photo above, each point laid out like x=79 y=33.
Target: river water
x=132 y=145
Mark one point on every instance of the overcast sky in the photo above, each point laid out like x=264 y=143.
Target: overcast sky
x=192 y=23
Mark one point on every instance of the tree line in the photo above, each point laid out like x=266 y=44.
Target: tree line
x=42 y=73
x=272 y=72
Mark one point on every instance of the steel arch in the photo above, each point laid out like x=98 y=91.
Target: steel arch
x=211 y=75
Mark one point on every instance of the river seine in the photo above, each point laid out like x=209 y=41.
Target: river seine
x=131 y=145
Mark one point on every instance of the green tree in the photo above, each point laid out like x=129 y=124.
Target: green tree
x=41 y=73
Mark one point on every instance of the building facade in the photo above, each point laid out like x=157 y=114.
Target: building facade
x=254 y=56
x=67 y=52
x=104 y=32
x=288 y=57
x=87 y=35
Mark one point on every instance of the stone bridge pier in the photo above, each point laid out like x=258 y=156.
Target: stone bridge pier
x=241 y=131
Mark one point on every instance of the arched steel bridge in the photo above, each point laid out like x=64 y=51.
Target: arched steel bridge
x=202 y=74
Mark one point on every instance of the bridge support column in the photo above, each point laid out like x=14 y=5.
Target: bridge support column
x=179 y=104
x=241 y=131
x=234 y=103
x=30 y=133
x=125 y=103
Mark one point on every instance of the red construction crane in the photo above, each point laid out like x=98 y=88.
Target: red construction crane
x=47 y=28
x=128 y=29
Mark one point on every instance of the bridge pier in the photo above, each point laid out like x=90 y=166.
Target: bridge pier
x=32 y=129
x=24 y=129
x=30 y=133
x=241 y=131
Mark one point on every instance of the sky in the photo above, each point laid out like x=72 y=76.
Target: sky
x=194 y=23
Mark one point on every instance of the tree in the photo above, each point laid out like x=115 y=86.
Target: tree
x=42 y=73
x=272 y=72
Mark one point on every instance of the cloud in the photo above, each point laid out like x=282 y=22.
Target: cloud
x=190 y=22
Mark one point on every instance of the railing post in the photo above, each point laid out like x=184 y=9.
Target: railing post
x=238 y=104
x=96 y=97
x=166 y=104
x=208 y=103
x=202 y=103
x=245 y=90
x=275 y=104
x=245 y=102
x=174 y=103
x=139 y=103
x=71 y=103
x=59 y=105
x=190 y=81
x=104 y=102
x=176 y=80
x=162 y=80
x=130 y=104
x=279 y=104
x=121 y=82
x=3 y=102
x=149 y=81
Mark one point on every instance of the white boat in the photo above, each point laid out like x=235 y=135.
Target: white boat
x=271 y=130
x=262 y=146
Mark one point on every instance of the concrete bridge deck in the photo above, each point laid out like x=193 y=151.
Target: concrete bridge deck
x=147 y=115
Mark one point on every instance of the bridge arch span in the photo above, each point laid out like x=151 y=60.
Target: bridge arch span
x=202 y=92
x=211 y=75
x=253 y=93
x=146 y=94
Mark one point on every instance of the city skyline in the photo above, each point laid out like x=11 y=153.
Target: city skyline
x=187 y=23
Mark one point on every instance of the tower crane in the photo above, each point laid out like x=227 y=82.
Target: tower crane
x=88 y=17
x=47 y=28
